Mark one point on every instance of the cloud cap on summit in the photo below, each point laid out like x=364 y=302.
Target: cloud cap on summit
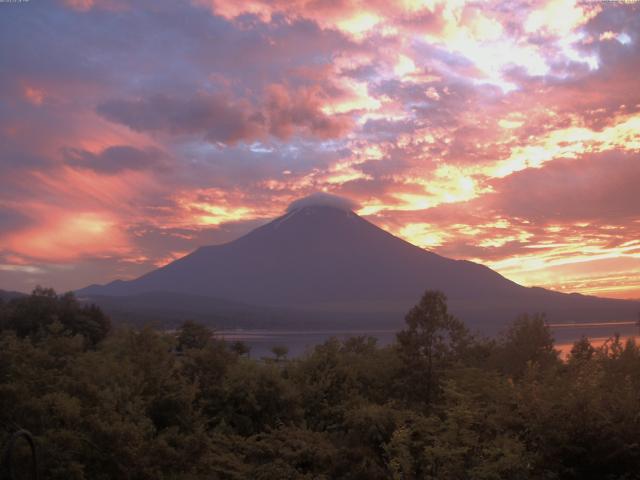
x=322 y=199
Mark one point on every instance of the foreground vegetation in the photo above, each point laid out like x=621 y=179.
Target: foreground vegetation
x=438 y=404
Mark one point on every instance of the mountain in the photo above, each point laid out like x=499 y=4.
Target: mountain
x=167 y=309
x=327 y=265
x=7 y=295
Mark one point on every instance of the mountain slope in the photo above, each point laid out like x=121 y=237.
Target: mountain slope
x=326 y=259
x=7 y=295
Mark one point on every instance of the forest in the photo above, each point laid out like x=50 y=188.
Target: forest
x=109 y=402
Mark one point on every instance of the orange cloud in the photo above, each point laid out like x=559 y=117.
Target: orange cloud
x=480 y=132
x=34 y=95
x=62 y=236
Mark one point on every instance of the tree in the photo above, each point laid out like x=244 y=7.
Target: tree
x=432 y=340
x=582 y=350
x=193 y=335
x=527 y=342
x=256 y=397
x=240 y=348
x=86 y=320
x=33 y=316
x=280 y=352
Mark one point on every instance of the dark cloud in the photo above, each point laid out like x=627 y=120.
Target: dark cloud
x=215 y=116
x=220 y=119
x=11 y=219
x=251 y=165
x=301 y=110
x=118 y=158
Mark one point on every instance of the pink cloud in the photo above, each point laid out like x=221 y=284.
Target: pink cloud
x=507 y=136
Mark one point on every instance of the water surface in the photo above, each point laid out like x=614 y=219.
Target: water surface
x=298 y=342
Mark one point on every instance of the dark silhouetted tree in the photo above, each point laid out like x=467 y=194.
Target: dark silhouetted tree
x=582 y=350
x=193 y=335
x=240 y=348
x=432 y=340
x=280 y=352
x=527 y=342
x=33 y=315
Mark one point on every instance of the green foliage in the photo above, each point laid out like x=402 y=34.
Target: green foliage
x=582 y=351
x=193 y=335
x=439 y=404
x=240 y=348
x=36 y=315
x=290 y=452
x=256 y=397
x=280 y=352
x=527 y=343
x=432 y=341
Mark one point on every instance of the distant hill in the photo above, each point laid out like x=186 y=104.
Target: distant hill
x=321 y=264
x=169 y=309
x=7 y=295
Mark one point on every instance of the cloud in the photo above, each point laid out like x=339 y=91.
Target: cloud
x=117 y=158
x=302 y=110
x=64 y=236
x=507 y=136
x=220 y=119
x=322 y=199
x=600 y=187
x=86 y=5
x=12 y=220
x=215 y=116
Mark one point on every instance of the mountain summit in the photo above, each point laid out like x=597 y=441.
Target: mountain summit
x=322 y=199
x=322 y=259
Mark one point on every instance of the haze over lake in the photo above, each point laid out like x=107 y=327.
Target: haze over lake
x=300 y=342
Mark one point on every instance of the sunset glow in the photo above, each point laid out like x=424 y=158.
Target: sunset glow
x=508 y=136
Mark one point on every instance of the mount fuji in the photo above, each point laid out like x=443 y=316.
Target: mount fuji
x=320 y=264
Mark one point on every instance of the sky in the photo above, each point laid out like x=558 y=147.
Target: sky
x=506 y=133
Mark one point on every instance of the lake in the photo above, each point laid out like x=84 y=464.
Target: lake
x=299 y=342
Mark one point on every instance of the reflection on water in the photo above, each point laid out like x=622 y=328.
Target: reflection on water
x=598 y=333
x=262 y=341
x=298 y=342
